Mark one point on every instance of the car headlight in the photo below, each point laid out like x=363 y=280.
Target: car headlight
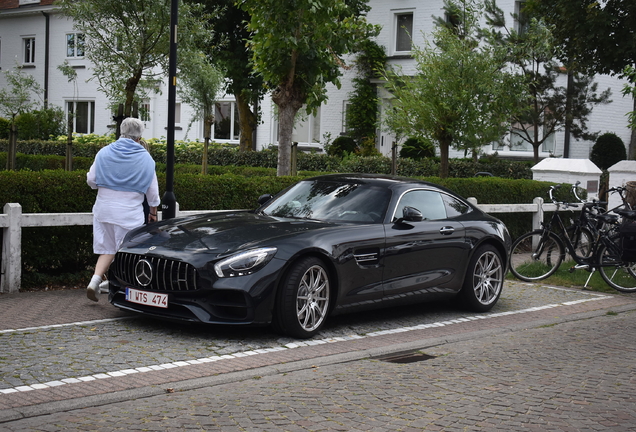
x=244 y=263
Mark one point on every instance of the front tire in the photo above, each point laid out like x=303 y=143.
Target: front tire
x=536 y=255
x=484 y=279
x=304 y=300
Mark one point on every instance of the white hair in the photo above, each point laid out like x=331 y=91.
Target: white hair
x=131 y=128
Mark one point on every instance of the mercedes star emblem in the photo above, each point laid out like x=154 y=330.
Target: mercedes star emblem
x=143 y=272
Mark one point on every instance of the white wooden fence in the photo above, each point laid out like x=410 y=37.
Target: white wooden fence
x=13 y=220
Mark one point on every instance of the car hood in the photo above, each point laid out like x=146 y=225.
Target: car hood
x=215 y=233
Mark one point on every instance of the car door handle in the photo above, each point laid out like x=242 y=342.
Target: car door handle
x=447 y=230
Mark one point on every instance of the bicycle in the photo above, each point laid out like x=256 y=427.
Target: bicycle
x=538 y=254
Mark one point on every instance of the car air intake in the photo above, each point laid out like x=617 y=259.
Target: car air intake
x=155 y=274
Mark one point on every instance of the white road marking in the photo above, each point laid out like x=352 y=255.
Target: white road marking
x=297 y=344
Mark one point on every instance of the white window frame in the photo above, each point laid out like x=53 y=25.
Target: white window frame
x=144 y=110
x=90 y=114
x=398 y=31
x=234 y=127
x=28 y=50
x=519 y=5
x=77 y=38
x=346 y=105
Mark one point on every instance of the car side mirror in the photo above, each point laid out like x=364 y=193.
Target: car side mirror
x=264 y=198
x=411 y=214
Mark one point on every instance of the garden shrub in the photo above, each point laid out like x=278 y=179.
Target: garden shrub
x=608 y=150
x=342 y=145
x=417 y=149
x=4 y=128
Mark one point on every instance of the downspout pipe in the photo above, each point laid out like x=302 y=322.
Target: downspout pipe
x=46 y=58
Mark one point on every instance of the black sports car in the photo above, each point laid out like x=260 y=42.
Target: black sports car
x=327 y=245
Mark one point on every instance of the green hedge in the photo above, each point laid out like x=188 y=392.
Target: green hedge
x=236 y=179
x=64 y=254
x=189 y=153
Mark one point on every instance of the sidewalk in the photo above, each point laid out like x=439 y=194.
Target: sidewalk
x=19 y=311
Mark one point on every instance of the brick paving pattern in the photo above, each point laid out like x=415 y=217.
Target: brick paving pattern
x=565 y=367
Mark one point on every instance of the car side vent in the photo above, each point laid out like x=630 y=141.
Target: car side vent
x=367 y=257
x=165 y=275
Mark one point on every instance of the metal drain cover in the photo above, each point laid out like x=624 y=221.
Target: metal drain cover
x=411 y=357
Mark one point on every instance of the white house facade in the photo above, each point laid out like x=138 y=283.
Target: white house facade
x=34 y=36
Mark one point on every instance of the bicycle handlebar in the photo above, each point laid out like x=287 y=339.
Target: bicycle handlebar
x=554 y=200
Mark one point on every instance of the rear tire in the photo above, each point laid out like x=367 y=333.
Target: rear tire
x=304 y=299
x=536 y=255
x=617 y=273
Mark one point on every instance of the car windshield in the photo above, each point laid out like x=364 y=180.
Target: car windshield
x=332 y=201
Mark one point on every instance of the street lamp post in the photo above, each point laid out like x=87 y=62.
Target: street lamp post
x=169 y=202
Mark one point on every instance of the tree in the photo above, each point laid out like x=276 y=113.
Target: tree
x=461 y=96
x=630 y=89
x=128 y=42
x=199 y=88
x=230 y=52
x=548 y=106
x=594 y=35
x=297 y=48
x=15 y=99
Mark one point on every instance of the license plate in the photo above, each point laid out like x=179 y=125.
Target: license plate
x=147 y=298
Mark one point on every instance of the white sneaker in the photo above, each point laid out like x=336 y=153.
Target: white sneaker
x=103 y=287
x=93 y=288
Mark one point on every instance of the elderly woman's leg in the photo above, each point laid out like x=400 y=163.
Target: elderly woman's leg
x=103 y=262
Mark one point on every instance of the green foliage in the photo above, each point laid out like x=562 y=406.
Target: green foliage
x=298 y=48
x=31 y=155
x=362 y=111
x=202 y=81
x=4 y=128
x=605 y=44
x=16 y=97
x=368 y=148
x=59 y=191
x=608 y=150
x=41 y=124
x=628 y=90
x=545 y=106
x=128 y=42
x=455 y=83
x=417 y=149
x=342 y=145
x=370 y=164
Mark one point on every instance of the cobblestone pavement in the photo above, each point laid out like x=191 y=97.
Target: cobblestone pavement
x=544 y=359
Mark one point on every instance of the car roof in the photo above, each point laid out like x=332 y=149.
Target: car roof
x=385 y=180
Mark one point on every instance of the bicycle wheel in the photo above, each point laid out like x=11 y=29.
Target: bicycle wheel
x=582 y=239
x=536 y=255
x=617 y=273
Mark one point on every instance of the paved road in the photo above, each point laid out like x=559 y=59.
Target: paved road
x=545 y=359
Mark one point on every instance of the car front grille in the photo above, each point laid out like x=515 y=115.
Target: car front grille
x=167 y=275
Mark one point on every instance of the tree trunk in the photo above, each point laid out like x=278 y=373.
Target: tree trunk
x=13 y=145
x=247 y=122
x=131 y=87
x=289 y=102
x=208 y=119
x=444 y=147
x=286 y=116
x=536 y=144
